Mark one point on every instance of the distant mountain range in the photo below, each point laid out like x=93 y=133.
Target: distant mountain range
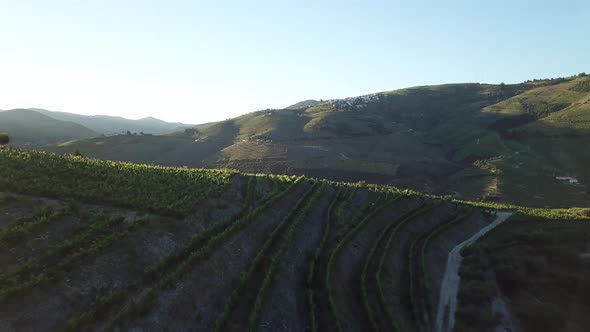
x=105 y=124
x=35 y=127
x=29 y=128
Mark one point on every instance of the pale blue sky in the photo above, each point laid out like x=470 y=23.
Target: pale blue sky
x=199 y=61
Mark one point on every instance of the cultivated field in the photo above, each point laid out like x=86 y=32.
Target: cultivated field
x=95 y=245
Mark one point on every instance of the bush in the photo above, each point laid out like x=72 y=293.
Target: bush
x=4 y=139
x=77 y=153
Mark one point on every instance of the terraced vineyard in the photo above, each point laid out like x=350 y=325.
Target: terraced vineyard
x=96 y=245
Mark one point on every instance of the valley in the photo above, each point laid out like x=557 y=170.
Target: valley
x=294 y=166
x=505 y=143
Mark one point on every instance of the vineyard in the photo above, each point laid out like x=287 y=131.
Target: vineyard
x=98 y=245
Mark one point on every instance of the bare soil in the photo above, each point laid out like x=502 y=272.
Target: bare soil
x=121 y=265
x=395 y=276
x=48 y=307
x=21 y=207
x=286 y=306
x=441 y=246
x=196 y=300
x=349 y=266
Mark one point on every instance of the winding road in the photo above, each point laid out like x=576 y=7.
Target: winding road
x=447 y=305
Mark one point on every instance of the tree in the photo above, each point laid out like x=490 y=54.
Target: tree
x=77 y=153
x=4 y=139
x=582 y=74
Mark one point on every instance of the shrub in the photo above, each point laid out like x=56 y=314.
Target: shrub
x=4 y=139
x=77 y=153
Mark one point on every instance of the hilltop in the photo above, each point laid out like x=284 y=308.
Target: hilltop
x=503 y=142
x=91 y=244
x=303 y=104
x=31 y=128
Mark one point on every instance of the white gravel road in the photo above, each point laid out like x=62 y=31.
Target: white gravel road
x=447 y=305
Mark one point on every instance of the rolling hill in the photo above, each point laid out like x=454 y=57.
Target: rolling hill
x=30 y=128
x=97 y=245
x=109 y=125
x=505 y=142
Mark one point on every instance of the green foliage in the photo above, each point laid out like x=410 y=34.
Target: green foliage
x=546 y=214
x=165 y=190
x=77 y=153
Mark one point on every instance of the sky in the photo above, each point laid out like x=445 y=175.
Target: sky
x=199 y=61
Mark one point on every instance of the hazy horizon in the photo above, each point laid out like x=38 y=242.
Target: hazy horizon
x=194 y=63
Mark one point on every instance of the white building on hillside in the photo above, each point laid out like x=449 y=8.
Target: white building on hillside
x=568 y=179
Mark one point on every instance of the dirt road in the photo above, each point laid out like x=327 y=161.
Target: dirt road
x=445 y=315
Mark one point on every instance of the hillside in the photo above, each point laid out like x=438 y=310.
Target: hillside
x=476 y=141
x=90 y=244
x=30 y=128
x=109 y=125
